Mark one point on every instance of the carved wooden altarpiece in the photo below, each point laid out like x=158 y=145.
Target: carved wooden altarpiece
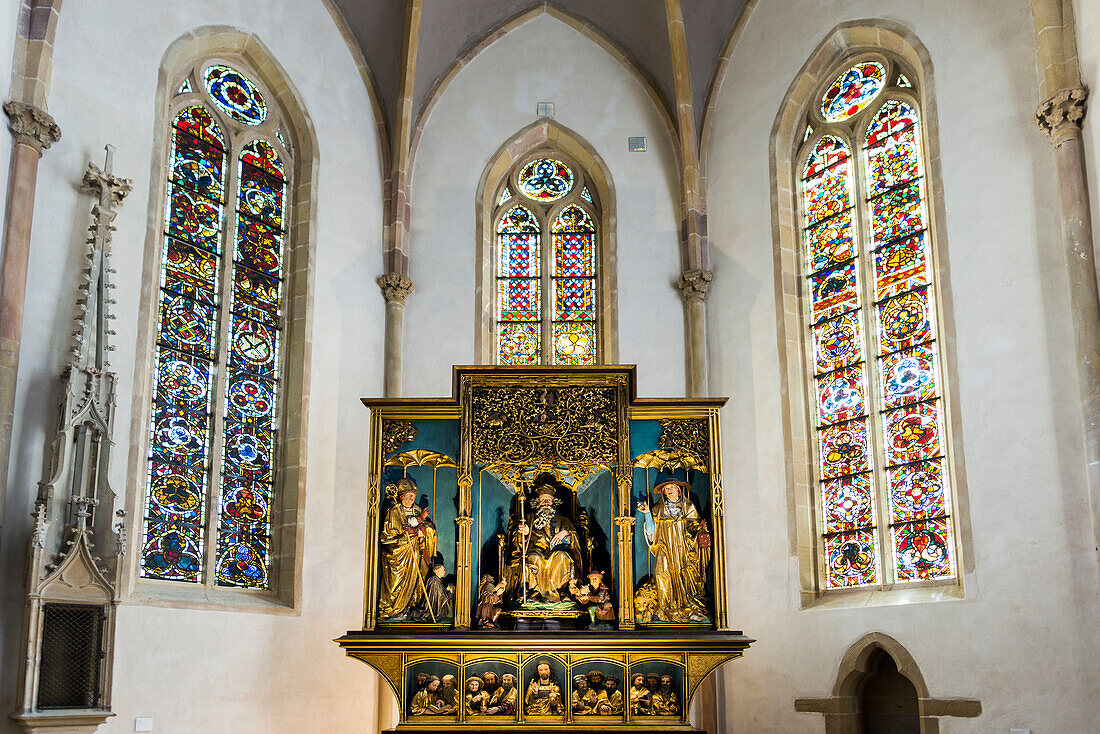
x=477 y=461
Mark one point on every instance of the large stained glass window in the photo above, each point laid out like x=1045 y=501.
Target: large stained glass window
x=547 y=249
x=215 y=415
x=882 y=468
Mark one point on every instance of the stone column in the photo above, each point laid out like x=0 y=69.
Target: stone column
x=395 y=289
x=693 y=286
x=1060 y=118
x=34 y=131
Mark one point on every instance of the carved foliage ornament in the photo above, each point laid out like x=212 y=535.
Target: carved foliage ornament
x=693 y=284
x=32 y=125
x=395 y=287
x=1063 y=112
x=396 y=434
x=551 y=425
x=686 y=435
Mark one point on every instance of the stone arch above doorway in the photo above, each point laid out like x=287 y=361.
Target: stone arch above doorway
x=877 y=660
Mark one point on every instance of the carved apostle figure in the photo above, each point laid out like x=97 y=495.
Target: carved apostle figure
x=428 y=701
x=549 y=544
x=614 y=703
x=678 y=541
x=506 y=698
x=665 y=702
x=477 y=700
x=544 y=694
x=407 y=546
x=640 y=695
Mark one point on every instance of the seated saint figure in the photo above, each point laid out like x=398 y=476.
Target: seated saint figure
x=407 y=545
x=677 y=539
x=548 y=543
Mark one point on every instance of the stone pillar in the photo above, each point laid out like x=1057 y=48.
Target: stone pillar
x=395 y=289
x=693 y=286
x=34 y=131
x=1060 y=118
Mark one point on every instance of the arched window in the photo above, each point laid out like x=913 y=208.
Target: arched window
x=883 y=470
x=547 y=295
x=215 y=415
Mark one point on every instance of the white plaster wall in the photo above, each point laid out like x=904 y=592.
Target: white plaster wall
x=200 y=670
x=1023 y=641
x=486 y=104
x=1087 y=16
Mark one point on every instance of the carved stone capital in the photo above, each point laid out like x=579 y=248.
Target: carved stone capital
x=395 y=287
x=693 y=284
x=31 y=125
x=1061 y=115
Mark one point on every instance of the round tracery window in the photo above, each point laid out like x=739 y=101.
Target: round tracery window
x=853 y=91
x=545 y=179
x=235 y=94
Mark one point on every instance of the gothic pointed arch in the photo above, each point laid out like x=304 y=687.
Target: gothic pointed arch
x=549 y=296
x=218 y=440
x=620 y=54
x=860 y=261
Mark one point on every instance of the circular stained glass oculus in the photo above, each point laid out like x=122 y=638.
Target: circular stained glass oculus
x=853 y=91
x=546 y=179
x=235 y=94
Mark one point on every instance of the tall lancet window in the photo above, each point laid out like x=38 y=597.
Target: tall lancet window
x=882 y=448
x=215 y=415
x=547 y=300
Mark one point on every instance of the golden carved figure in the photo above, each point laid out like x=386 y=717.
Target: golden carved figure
x=544 y=694
x=679 y=542
x=584 y=698
x=429 y=701
x=477 y=700
x=613 y=705
x=640 y=695
x=407 y=543
x=550 y=545
x=664 y=701
x=506 y=698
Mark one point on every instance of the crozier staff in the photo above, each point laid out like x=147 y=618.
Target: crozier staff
x=407 y=545
x=678 y=541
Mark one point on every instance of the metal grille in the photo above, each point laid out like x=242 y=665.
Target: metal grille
x=72 y=647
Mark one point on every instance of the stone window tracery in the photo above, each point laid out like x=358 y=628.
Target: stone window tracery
x=869 y=302
x=215 y=419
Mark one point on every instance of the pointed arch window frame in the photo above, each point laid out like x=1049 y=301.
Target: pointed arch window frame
x=278 y=131
x=546 y=214
x=804 y=137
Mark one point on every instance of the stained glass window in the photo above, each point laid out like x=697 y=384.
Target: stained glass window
x=218 y=349
x=545 y=179
x=853 y=91
x=547 y=291
x=883 y=476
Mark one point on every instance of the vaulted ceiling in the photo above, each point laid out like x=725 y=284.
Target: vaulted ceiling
x=449 y=28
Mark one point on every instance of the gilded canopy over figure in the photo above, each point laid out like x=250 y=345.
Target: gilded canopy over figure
x=408 y=542
x=679 y=541
x=549 y=543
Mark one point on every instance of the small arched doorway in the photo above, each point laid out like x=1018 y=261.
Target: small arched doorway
x=886 y=701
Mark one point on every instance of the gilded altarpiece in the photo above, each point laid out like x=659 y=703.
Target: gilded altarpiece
x=545 y=551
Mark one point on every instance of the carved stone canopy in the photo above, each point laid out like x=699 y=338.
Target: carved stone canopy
x=1061 y=115
x=395 y=287
x=31 y=125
